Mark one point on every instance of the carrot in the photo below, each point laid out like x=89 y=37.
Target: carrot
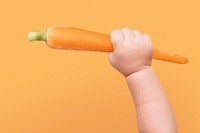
x=70 y=38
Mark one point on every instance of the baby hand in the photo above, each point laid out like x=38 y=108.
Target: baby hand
x=132 y=51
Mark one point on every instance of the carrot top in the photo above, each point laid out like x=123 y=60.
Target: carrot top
x=38 y=35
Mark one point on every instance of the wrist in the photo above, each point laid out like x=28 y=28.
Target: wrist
x=144 y=85
x=140 y=70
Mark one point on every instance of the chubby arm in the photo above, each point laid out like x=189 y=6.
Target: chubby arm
x=154 y=114
x=132 y=57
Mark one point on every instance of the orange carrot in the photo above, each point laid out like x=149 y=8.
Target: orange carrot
x=71 y=38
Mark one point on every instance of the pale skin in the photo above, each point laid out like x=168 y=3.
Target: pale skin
x=132 y=57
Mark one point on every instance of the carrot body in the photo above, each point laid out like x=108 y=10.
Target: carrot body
x=71 y=38
x=78 y=39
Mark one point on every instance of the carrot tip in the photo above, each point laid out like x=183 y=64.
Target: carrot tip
x=39 y=35
x=185 y=61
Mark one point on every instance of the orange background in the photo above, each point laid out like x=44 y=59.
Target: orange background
x=44 y=90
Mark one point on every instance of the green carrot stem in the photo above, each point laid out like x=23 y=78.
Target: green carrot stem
x=39 y=35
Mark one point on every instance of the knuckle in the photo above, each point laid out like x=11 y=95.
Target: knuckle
x=115 y=31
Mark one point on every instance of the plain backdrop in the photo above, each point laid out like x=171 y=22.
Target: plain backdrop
x=43 y=90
